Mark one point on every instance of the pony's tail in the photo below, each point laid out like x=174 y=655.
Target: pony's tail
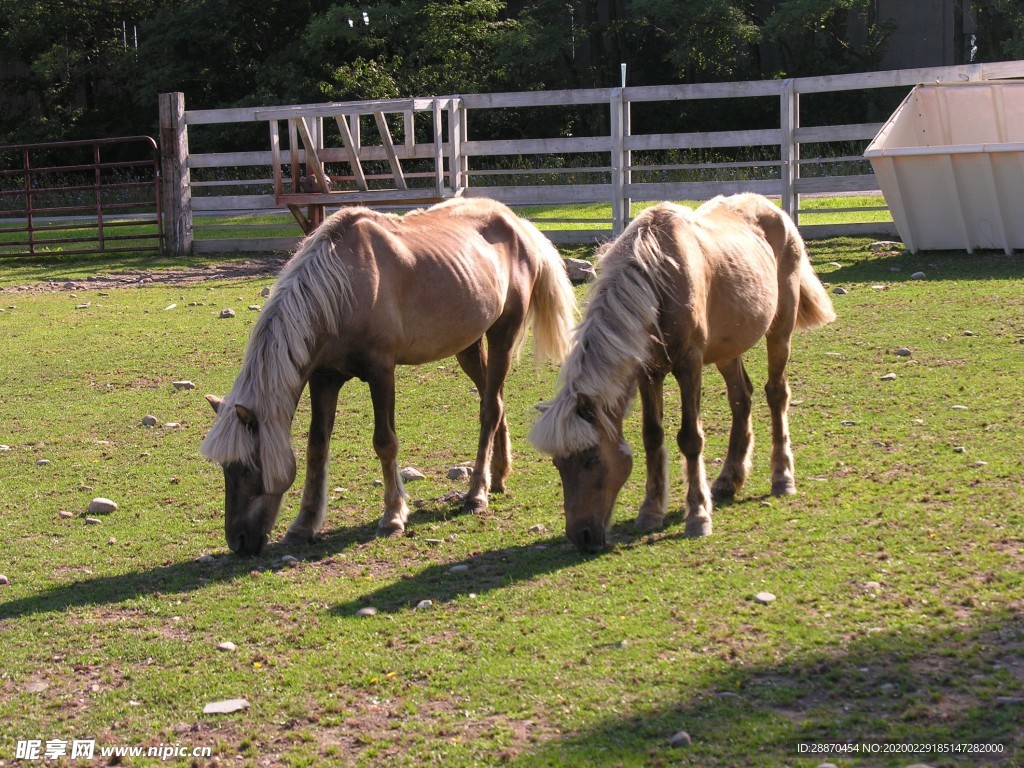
x=815 y=305
x=552 y=303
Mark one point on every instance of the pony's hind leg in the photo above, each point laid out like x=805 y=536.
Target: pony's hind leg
x=652 y=510
x=736 y=468
x=385 y=442
x=323 y=395
x=474 y=362
x=777 y=391
x=500 y=342
x=691 y=443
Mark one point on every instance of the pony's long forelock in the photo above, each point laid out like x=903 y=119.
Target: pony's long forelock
x=310 y=296
x=611 y=343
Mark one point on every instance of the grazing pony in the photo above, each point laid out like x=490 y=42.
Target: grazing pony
x=679 y=290
x=363 y=293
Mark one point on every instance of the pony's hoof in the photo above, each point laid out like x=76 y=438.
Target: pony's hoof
x=298 y=538
x=473 y=506
x=390 y=529
x=783 y=488
x=697 y=527
x=723 y=492
x=647 y=523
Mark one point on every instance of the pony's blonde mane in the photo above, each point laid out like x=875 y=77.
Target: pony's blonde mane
x=614 y=339
x=310 y=297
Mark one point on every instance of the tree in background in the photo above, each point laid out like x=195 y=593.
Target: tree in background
x=84 y=69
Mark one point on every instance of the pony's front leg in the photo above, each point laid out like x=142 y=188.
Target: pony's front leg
x=385 y=443
x=691 y=443
x=323 y=395
x=736 y=468
x=652 y=511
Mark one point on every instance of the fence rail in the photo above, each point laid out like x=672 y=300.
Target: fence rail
x=433 y=149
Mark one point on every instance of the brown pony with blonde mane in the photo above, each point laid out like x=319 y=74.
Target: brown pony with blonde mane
x=366 y=292
x=678 y=290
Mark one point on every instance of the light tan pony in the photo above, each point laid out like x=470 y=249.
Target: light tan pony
x=366 y=292
x=678 y=290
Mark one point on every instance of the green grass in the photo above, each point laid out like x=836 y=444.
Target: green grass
x=898 y=567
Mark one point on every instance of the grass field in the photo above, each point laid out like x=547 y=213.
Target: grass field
x=898 y=567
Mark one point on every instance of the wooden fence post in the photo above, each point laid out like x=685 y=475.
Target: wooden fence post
x=619 y=130
x=789 y=148
x=177 y=191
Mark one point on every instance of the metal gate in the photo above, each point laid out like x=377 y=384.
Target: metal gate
x=81 y=197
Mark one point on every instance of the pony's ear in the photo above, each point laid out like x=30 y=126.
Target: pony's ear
x=585 y=408
x=247 y=417
x=215 y=402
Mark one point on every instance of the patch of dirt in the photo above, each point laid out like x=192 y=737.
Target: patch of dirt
x=267 y=266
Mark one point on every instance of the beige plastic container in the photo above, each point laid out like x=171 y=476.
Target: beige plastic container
x=950 y=162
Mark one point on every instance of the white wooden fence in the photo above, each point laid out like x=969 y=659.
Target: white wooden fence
x=422 y=150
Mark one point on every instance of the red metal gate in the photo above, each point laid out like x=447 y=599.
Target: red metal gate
x=78 y=197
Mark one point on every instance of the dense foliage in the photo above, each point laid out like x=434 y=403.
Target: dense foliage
x=76 y=70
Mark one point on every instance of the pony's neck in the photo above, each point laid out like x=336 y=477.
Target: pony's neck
x=615 y=339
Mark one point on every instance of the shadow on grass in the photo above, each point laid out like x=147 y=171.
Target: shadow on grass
x=885 y=690
x=178 y=578
x=936 y=265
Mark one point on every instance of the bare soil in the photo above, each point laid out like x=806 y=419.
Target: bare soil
x=267 y=266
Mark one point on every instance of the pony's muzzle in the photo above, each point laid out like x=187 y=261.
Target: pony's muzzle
x=247 y=543
x=589 y=540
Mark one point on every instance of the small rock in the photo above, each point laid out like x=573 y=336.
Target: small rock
x=580 y=270
x=225 y=707
x=43 y=463
x=265 y=292
x=889 y=377
x=538 y=528
x=65 y=515
x=423 y=605
x=183 y=384
x=149 y=420
x=172 y=425
x=366 y=612
x=959 y=449
x=873 y=586
x=903 y=352
x=834 y=264
x=839 y=291
x=290 y=560
x=170 y=307
x=886 y=245
x=101 y=506
x=460 y=568
x=227 y=313
x=206 y=559
x=253 y=307
x=83 y=306
x=411 y=473
x=460 y=473
x=681 y=739
x=968 y=333
x=226 y=646
x=959 y=408
x=978 y=464
x=92 y=521
x=917 y=276
x=764 y=598
x=879 y=287
x=5 y=447
x=4 y=581
x=848 y=423
x=112 y=540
